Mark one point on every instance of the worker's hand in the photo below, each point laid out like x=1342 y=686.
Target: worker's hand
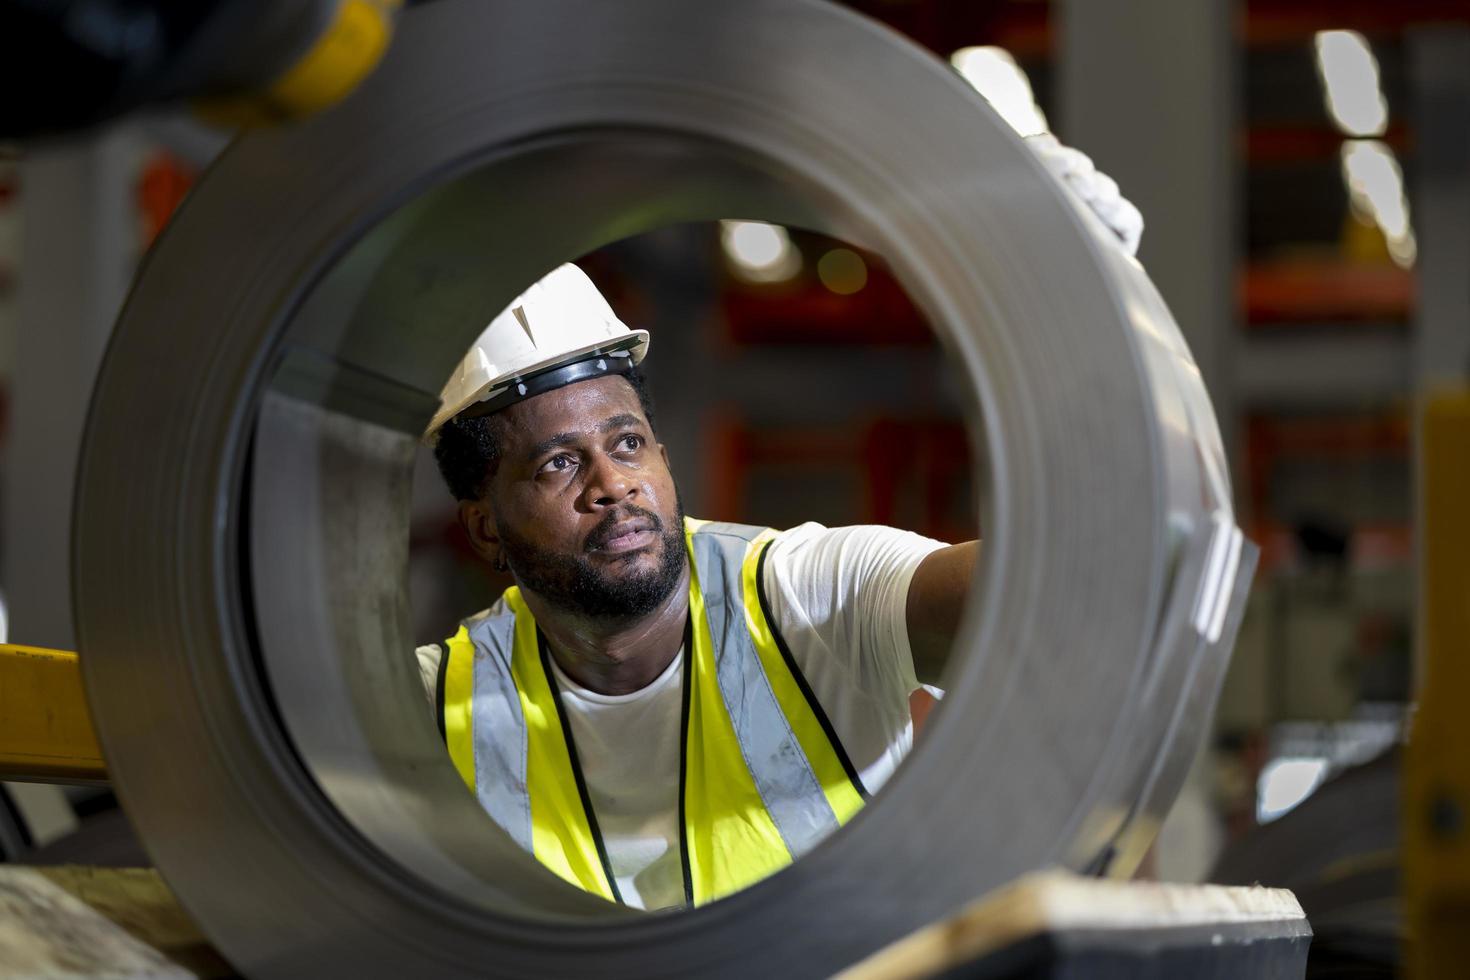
x=1096 y=189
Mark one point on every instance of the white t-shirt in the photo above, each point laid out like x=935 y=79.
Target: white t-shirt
x=838 y=596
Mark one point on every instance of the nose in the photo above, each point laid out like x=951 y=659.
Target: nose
x=607 y=484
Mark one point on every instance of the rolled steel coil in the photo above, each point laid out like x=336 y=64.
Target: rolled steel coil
x=241 y=519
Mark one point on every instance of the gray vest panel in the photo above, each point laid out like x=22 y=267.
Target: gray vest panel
x=783 y=775
x=499 y=728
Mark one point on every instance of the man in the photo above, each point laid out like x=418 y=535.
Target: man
x=662 y=710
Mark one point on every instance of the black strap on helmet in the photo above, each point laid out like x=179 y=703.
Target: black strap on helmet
x=595 y=365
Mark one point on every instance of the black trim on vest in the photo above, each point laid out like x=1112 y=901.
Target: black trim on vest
x=439 y=680
x=688 y=686
x=566 y=731
x=806 y=690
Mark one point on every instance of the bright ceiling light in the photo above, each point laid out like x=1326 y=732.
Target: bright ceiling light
x=759 y=252
x=1376 y=191
x=995 y=75
x=1350 y=78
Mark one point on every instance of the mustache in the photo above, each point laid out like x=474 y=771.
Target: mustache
x=604 y=531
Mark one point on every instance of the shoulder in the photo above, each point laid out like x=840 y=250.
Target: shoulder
x=858 y=548
x=838 y=597
x=430 y=656
x=854 y=578
x=702 y=529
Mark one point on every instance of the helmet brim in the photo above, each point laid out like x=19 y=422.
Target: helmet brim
x=634 y=343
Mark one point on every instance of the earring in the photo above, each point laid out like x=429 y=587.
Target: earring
x=501 y=565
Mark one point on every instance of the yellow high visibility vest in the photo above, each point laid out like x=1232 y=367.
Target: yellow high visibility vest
x=762 y=777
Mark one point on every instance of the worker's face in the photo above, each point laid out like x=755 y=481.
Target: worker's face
x=582 y=505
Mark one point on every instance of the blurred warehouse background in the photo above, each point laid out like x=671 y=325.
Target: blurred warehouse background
x=1302 y=170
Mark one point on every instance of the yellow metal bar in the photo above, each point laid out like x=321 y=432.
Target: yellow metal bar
x=45 y=729
x=1436 y=795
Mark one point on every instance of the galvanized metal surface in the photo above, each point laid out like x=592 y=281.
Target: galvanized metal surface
x=249 y=673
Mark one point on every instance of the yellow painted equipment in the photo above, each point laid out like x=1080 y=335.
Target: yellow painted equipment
x=45 y=729
x=1436 y=815
x=345 y=54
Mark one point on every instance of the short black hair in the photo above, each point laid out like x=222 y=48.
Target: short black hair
x=468 y=450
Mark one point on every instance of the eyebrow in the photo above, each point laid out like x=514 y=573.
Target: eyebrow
x=621 y=421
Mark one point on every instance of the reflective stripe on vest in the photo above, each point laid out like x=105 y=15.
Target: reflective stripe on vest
x=763 y=776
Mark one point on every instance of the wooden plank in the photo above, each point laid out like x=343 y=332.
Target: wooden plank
x=91 y=922
x=1079 y=916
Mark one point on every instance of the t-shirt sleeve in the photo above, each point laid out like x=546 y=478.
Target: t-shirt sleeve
x=846 y=589
x=429 y=656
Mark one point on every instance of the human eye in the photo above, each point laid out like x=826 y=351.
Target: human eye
x=631 y=443
x=559 y=463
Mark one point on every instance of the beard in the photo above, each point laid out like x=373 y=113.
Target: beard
x=577 y=585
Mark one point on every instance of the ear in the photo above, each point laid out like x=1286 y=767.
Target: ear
x=478 y=521
x=664 y=452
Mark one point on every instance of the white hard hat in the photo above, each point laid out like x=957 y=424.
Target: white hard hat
x=559 y=331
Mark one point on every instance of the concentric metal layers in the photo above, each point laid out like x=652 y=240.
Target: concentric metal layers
x=242 y=512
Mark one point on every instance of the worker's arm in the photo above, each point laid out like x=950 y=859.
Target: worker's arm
x=936 y=597
x=936 y=600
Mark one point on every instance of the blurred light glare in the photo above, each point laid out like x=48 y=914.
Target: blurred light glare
x=1376 y=190
x=1284 y=783
x=842 y=271
x=1350 y=77
x=759 y=252
x=995 y=75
